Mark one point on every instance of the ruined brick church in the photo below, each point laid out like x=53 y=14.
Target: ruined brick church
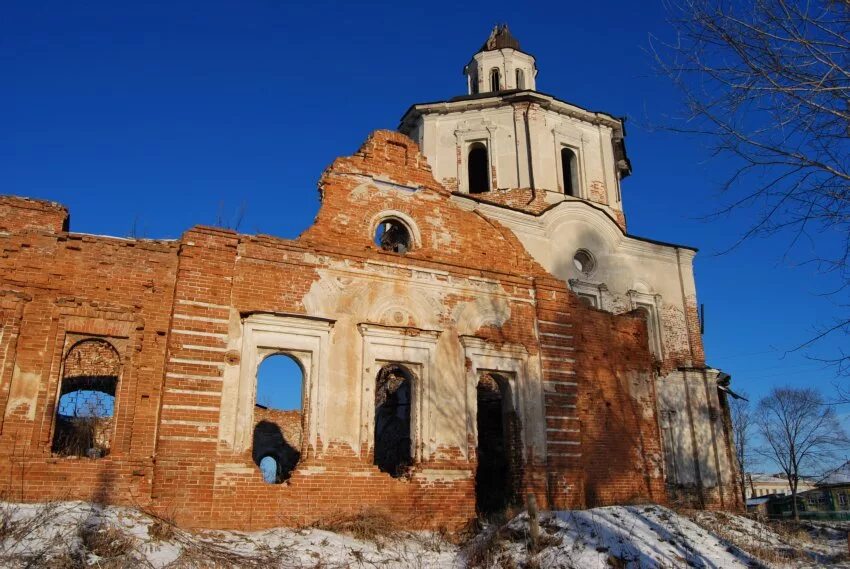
x=472 y=321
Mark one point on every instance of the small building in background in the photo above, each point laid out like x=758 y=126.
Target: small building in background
x=759 y=485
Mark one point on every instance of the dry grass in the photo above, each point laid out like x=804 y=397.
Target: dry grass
x=367 y=525
x=105 y=540
x=760 y=545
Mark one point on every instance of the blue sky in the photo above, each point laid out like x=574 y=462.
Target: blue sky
x=154 y=116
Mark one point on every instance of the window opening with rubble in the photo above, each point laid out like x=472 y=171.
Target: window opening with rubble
x=393 y=235
x=477 y=165
x=278 y=416
x=499 y=450
x=86 y=409
x=393 y=402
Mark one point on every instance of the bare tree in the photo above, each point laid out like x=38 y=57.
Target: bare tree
x=767 y=82
x=800 y=432
x=742 y=430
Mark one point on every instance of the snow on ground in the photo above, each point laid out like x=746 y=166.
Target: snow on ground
x=76 y=534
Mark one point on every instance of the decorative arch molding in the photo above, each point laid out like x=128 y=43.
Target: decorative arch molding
x=573 y=212
x=416 y=310
x=404 y=218
x=483 y=311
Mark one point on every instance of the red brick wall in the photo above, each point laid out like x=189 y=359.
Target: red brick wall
x=22 y=214
x=168 y=309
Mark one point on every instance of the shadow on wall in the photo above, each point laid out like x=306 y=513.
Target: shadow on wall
x=275 y=457
x=621 y=446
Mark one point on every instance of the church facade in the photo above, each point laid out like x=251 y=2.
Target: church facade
x=471 y=319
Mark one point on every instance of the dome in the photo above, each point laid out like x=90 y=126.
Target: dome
x=500 y=38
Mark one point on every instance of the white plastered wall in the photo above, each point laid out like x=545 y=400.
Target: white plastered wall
x=524 y=147
x=507 y=61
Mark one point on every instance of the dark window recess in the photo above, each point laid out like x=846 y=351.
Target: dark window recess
x=392 y=235
x=495 y=83
x=393 y=397
x=498 y=474
x=520 y=79
x=84 y=415
x=570 y=171
x=278 y=418
x=478 y=166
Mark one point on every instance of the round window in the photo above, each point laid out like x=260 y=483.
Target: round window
x=584 y=262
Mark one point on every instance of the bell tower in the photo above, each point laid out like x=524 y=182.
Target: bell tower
x=506 y=142
x=500 y=65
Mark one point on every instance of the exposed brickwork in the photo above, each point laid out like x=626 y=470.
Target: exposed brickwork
x=598 y=192
x=524 y=199
x=620 y=218
x=22 y=214
x=174 y=311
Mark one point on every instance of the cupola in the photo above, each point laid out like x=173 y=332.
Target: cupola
x=500 y=65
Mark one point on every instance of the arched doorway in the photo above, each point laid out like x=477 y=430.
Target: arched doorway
x=499 y=447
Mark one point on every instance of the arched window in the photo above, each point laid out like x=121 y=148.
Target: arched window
x=394 y=236
x=520 y=79
x=569 y=169
x=278 y=424
x=473 y=79
x=495 y=83
x=478 y=168
x=393 y=401
x=499 y=448
x=84 y=415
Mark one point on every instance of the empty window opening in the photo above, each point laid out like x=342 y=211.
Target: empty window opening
x=584 y=262
x=520 y=79
x=84 y=415
x=569 y=169
x=478 y=169
x=495 y=80
x=499 y=451
x=474 y=82
x=393 y=399
x=278 y=417
x=393 y=236
x=269 y=469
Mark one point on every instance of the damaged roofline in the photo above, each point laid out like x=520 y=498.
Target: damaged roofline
x=475 y=198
